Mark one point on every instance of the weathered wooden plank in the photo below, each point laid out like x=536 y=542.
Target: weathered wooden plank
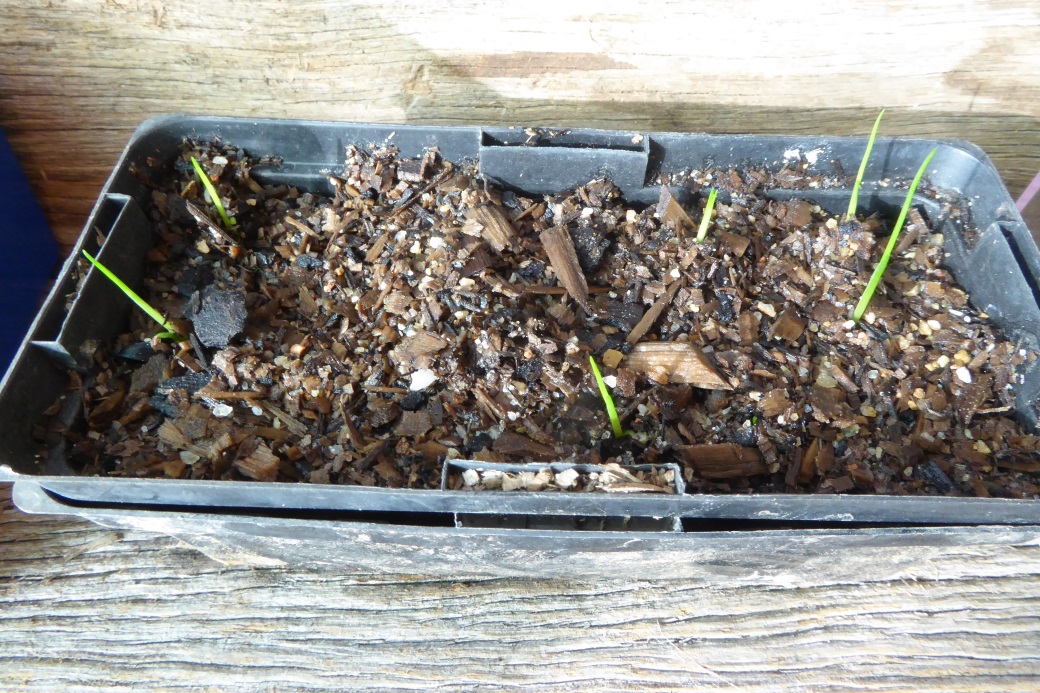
x=82 y=607
x=965 y=70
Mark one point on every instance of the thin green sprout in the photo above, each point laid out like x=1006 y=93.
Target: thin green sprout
x=228 y=221
x=615 y=422
x=854 y=200
x=171 y=331
x=875 y=278
x=702 y=231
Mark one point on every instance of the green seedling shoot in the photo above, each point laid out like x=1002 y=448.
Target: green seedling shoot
x=875 y=278
x=615 y=422
x=854 y=200
x=171 y=331
x=709 y=207
x=229 y=222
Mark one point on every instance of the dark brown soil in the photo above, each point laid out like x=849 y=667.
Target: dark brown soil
x=418 y=315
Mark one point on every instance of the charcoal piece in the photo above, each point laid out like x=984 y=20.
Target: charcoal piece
x=530 y=370
x=725 y=312
x=265 y=257
x=192 y=383
x=309 y=262
x=624 y=316
x=413 y=401
x=532 y=270
x=221 y=316
x=162 y=405
x=481 y=441
x=590 y=244
x=193 y=279
x=140 y=352
x=930 y=472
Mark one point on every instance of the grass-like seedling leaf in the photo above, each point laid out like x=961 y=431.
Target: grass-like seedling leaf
x=875 y=278
x=171 y=331
x=228 y=221
x=709 y=207
x=615 y=422
x=854 y=200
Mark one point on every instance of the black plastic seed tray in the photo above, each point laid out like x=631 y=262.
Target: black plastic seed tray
x=1000 y=269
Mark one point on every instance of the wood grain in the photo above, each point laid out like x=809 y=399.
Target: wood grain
x=75 y=81
x=84 y=607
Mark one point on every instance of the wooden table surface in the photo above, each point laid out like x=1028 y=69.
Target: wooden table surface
x=84 y=607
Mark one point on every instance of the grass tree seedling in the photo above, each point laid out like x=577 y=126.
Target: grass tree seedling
x=879 y=271
x=229 y=222
x=615 y=422
x=171 y=331
x=709 y=207
x=854 y=200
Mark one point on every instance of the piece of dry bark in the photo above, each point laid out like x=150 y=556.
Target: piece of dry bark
x=747 y=327
x=413 y=423
x=496 y=229
x=788 y=326
x=737 y=244
x=416 y=351
x=724 y=461
x=650 y=317
x=808 y=465
x=672 y=213
x=515 y=444
x=261 y=464
x=774 y=403
x=675 y=362
x=560 y=248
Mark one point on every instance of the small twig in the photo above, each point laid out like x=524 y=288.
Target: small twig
x=415 y=198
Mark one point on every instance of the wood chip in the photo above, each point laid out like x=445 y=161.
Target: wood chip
x=675 y=362
x=560 y=248
x=808 y=466
x=788 y=326
x=747 y=327
x=496 y=229
x=413 y=423
x=612 y=357
x=292 y=424
x=170 y=434
x=261 y=464
x=414 y=352
x=774 y=403
x=736 y=243
x=515 y=444
x=562 y=314
x=672 y=213
x=725 y=461
x=650 y=317
x=377 y=248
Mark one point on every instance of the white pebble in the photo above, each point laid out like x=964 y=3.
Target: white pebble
x=222 y=410
x=610 y=381
x=422 y=379
x=963 y=374
x=436 y=242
